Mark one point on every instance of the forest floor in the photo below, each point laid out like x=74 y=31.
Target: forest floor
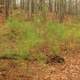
x=24 y=46
x=24 y=70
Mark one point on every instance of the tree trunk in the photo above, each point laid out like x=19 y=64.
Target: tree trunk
x=50 y=6
x=7 y=8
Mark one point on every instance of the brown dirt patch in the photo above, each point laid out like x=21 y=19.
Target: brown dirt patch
x=24 y=70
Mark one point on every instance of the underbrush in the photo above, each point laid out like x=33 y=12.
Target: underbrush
x=34 y=39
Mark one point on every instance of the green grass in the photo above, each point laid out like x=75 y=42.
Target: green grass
x=28 y=35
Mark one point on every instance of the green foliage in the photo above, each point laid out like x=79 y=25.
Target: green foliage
x=56 y=30
x=27 y=30
x=15 y=56
x=40 y=57
x=14 y=23
x=27 y=35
